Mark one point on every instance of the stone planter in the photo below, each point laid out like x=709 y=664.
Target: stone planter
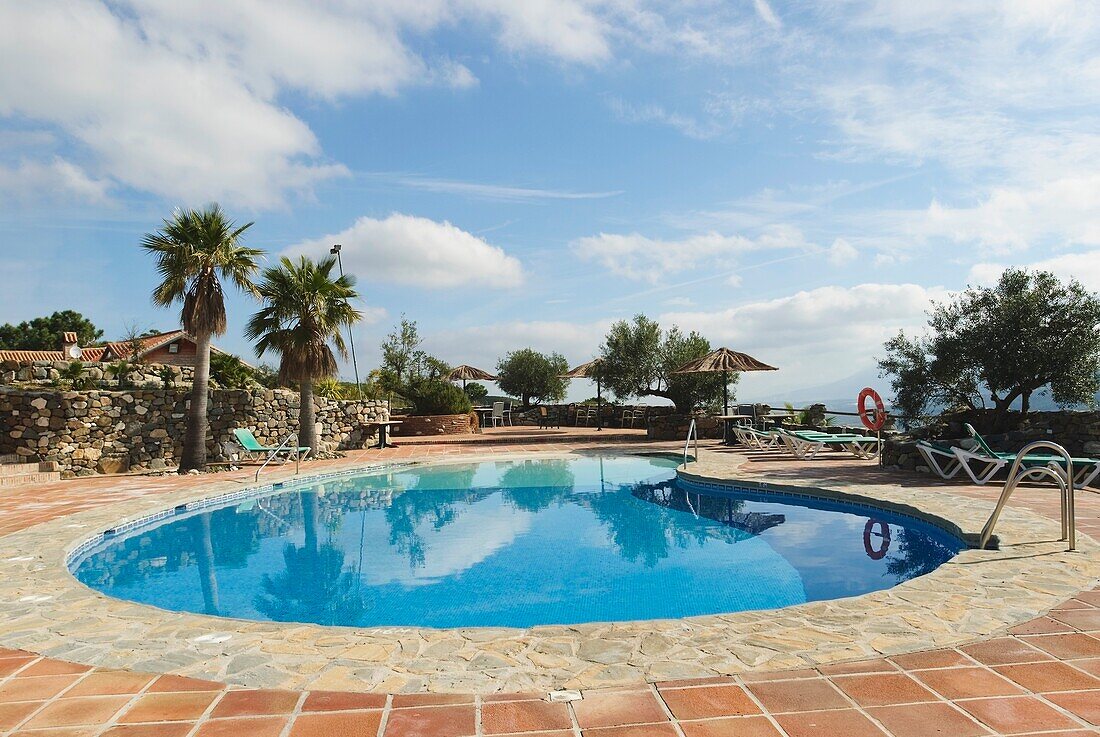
x=433 y=425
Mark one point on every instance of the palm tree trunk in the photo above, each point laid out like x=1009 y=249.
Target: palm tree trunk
x=194 y=438
x=307 y=417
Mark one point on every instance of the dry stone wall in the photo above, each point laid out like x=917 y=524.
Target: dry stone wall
x=46 y=372
x=142 y=429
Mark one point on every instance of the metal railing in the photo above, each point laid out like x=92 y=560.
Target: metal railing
x=693 y=432
x=297 y=456
x=1052 y=470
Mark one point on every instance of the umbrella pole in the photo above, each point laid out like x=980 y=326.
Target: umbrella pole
x=599 y=405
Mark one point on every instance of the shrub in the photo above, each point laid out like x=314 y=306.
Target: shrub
x=436 y=397
x=476 y=392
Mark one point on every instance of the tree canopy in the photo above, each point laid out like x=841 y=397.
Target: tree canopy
x=44 y=333
x=404 y=362
x=1030 y=332
x=639 y=358
x=531 y=375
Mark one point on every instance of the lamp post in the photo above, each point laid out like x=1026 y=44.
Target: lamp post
x=335 y=251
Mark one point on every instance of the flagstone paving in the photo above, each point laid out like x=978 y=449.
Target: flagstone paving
x=1041 y=675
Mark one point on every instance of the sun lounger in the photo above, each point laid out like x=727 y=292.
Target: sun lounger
x=940 y=458
x=253 y=447
x=982 y=463
x=806 y=444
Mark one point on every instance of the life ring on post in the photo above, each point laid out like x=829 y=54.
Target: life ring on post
x=877 y=422
x=884 y=534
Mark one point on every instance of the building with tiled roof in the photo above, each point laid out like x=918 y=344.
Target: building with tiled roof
x=175 y=348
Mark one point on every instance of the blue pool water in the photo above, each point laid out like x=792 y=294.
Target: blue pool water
x=511 y=543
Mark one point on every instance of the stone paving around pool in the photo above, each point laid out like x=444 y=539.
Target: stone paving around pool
x=1028 y=663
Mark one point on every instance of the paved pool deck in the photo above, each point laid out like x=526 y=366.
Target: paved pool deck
x=1040 y=673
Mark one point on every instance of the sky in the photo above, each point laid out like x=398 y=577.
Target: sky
x=798 y=181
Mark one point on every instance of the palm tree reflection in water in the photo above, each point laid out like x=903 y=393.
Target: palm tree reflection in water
x=315 y=587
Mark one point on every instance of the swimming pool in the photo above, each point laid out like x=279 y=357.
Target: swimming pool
x=510 y=543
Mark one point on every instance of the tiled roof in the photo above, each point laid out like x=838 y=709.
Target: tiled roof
x=115 y=349
x=87 y=354
x=122 y=349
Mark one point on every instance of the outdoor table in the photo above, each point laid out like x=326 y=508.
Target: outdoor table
x=481 y=413
x=383 y=429
x=726 y=420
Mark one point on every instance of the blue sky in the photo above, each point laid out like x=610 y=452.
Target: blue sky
x=797 y=181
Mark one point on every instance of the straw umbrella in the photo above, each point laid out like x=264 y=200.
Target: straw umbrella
x=469 y=373
x=587 y=371
x=724 y=360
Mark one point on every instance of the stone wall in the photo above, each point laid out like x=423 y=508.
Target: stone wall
x=433 y=425
x=1078 y=432
x=142 y=429
x=46 y=372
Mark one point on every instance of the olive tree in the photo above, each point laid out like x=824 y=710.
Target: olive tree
x=531 y=375
x=639 y=358
x=1029 y=333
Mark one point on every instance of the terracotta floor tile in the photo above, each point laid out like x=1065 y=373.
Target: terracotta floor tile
x=878 y=665
x=1048 y=677
x=1016 y=714
x=79 y=731
x=1067 y=647
x=34 y=689
x=1089 y=597
x=171 y=683
x=1040 y=626
x=431 y=721
x=844 y=722
x=527 y=696
x=926 y=720
x=967 y=683
x=705 y=702
x=168 y=707
x=1083 y=619
x=1004 y=651
x=880 y=689
x=1061 y=733
x=11 y=665
x=783 y=696
x=342 y=724
x=731 y=727
x=615 y=709
x=638 y=730
x=931 y=659
x=341 y=701
x=8 y=653
x=242 y=727
x=12 y=714
x=255 y=703
x=72 y=712
x=1085 y=704
x=48 y=667
x=505 y=717
x=163 y=729
x=1090 y=665
x=430 y=699
x=780 y=675
x=103 y=683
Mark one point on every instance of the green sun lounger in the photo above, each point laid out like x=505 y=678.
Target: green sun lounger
x=252 y=446
x=982 y=462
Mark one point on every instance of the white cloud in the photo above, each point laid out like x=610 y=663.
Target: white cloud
x=1084 y=267
x=842 y=252
x=54 y=181
x=417 y=251
x=373 y=315
x=640 y=257
x=766 y=13
x=817 y=335
x=483 y=345
x=502 y=192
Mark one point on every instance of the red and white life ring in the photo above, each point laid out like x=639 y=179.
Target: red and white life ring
x=877 y=422
x=872 y=552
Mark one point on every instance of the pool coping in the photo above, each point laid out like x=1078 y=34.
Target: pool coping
x=45 y=609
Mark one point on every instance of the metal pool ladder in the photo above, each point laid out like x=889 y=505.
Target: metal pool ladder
x=297 y=456
x=1052 y=470
x=693 y=432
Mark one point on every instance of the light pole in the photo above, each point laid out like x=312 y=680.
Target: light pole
x=335 y=251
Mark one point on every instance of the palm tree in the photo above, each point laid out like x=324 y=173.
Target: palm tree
x=305 y=309
x=195 y=251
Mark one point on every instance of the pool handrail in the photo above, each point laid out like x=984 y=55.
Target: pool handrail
x=1064 y=479
x=693 y=431
x=297 y=456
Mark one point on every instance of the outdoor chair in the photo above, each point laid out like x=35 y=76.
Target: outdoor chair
x=506 y=418
x=496 y=417
x=253 y=448
x=585 y=412
x=806 y=444
x=941 y=459
x=549 y=417
x=982 y=463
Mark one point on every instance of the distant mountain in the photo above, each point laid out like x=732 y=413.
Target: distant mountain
x=838 y=395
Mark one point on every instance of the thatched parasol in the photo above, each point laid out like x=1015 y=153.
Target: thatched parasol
x=469 y=373
x=588 y=371
x=724 y=361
